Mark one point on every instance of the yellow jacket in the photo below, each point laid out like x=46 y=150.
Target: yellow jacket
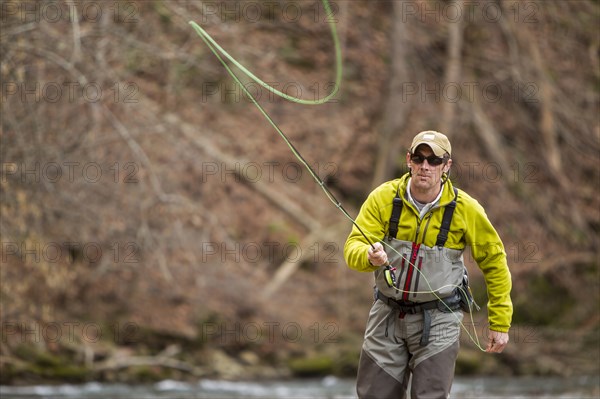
x=470 y=227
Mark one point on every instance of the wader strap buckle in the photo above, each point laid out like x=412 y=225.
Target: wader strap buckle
x=408 y=307
x=451 y=302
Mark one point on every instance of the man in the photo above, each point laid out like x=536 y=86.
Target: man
x=415 y=321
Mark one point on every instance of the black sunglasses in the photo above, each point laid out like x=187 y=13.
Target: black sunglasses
x=431 y=160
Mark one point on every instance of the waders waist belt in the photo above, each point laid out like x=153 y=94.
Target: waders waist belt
x=447 y=304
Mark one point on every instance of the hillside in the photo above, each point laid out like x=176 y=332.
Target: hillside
x=154 y=225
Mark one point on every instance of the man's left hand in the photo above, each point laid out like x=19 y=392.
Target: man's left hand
x=496 y=341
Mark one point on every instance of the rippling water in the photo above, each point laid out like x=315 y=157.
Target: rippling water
x=326 y=388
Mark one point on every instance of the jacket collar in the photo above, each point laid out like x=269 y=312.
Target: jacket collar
x=446 y=198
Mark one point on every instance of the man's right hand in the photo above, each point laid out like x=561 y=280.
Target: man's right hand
x=377 y=255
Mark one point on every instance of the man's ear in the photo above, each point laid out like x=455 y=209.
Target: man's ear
x=447 y=166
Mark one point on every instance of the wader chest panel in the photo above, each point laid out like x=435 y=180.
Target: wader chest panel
x=423 y=273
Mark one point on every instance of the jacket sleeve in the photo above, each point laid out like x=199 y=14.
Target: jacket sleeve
x=357 y=246
x=488 y=251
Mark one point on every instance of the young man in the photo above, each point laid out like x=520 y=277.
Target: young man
x=414 y=323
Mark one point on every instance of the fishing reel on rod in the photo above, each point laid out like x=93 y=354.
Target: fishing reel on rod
x=389 y=274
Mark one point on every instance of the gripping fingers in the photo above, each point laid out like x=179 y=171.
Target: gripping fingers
x=377 y=255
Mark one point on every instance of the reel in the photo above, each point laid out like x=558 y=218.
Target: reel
x=390 y=276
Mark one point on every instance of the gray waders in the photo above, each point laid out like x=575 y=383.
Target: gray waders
x=410 y=331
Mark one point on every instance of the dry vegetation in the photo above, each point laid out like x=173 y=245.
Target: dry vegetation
x=142 y=198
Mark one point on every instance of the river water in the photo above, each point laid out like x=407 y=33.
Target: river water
x=326 y=388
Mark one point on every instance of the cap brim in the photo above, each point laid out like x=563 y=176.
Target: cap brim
x=437 y=150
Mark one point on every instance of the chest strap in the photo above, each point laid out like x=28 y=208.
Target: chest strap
x=446 y=220
x=395 y=218
x=444 y=228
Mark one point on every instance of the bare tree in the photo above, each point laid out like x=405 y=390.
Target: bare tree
x=396 y=108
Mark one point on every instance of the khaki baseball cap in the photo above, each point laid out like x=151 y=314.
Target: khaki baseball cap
x=437 y=141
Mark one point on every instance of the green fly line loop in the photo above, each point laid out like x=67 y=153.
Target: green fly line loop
x=338 y=61
x=219 y=52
